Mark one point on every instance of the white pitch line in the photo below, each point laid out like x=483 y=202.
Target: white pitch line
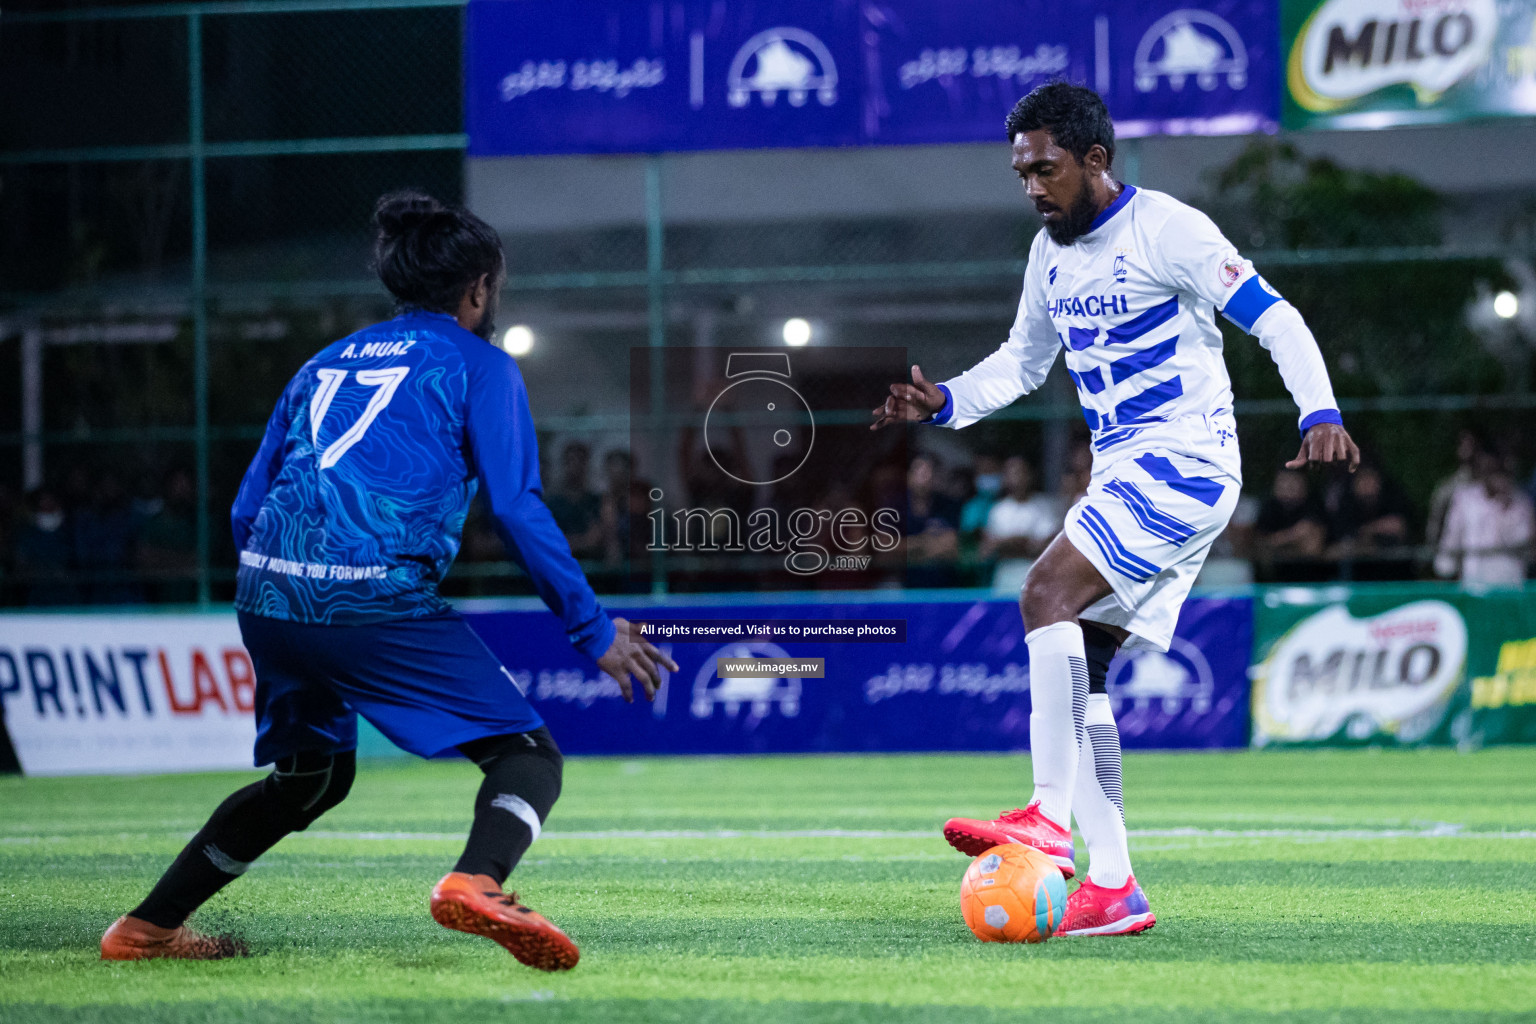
x=1441 y=830
x=809 y=833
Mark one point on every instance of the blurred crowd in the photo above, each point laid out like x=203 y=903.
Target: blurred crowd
x=987 y=521
x=1477 y=527
x=94 y=539
x=596 y=520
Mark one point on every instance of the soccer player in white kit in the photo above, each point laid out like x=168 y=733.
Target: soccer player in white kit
x=1127 y=283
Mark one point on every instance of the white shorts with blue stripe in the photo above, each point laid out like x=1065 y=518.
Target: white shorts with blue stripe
x=1146 y=524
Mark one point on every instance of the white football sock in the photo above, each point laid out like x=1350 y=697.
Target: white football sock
x=1099 y=806
x=1058 y=694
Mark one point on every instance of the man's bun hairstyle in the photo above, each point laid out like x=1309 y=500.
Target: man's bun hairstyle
x=427 y=253
x=1075 y=116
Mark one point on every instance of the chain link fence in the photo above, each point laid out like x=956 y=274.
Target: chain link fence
x=186 y=188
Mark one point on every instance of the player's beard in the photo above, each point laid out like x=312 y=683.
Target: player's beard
x=486 y=328
x=1076 y=220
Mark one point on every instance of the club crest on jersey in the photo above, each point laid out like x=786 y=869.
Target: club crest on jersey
x=1088 y=305
x=1119 y=270
x=1231 y=270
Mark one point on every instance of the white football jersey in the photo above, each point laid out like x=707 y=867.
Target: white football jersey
x=1132 y=303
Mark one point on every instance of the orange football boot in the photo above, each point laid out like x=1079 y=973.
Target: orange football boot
x=458 y=904
x=132 y=939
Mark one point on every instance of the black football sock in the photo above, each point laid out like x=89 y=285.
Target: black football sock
x=522 y=782
x=247 y=824
x=1099 y=647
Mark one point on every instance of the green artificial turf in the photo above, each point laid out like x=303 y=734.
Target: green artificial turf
x=1316 y=886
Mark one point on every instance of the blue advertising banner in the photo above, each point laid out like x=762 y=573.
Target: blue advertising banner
x=1211 y=68
x=950 y=72
x=616 y=76
x=959 y=682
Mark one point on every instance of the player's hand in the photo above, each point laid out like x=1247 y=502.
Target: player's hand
x=909 y=403
x=1324 y=444
x=626 y=657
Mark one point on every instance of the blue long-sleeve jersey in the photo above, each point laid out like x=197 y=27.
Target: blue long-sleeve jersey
x=353 y=508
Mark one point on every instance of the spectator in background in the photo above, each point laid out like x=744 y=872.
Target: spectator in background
x=1468 y=444
x=43 y=552
x=576 y=507
x=1369 y=515
x=478 y=543
x=1292 y=524
x=712 y=473
x=75 y=495
x=960 y=485
x=932 y=527
x=167 y=547
x=626 y=501
x=1488 y=528
x=104 y=539
x=1230 y=563
x=1019 y=526
x=617 y=499
x=989 y=484
x=148 y=499
x=1074 y=481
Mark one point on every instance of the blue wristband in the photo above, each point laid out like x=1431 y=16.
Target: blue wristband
x=1321 y=416
x=945 y=414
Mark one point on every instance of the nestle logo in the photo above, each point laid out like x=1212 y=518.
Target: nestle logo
x=1413 y=629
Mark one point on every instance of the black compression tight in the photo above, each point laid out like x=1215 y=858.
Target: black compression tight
x=247 y=824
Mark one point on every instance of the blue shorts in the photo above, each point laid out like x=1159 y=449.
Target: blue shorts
x=428 y=684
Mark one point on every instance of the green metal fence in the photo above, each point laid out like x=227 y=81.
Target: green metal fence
x=336 y=121
x=198 y=150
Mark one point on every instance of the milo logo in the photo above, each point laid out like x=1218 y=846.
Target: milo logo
x=1336 y=676
x=1350 y=48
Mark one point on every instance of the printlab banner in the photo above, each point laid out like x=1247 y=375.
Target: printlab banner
x=126 y=693
x=1373 y=63
x=960 y=682
x=615 y=76
x=1399 y=665
x=162 y=693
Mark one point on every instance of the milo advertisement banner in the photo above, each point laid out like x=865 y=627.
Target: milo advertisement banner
x=1373 y=63
x=1393 y=665
x=1503 y=696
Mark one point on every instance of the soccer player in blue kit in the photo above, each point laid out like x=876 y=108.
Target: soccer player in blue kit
x=346 y=521
x=1124 y=284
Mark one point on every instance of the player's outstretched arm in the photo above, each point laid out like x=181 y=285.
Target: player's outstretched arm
x=909 y=403
x=1018 y=367
x=628 y=657
x=1326 y=443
